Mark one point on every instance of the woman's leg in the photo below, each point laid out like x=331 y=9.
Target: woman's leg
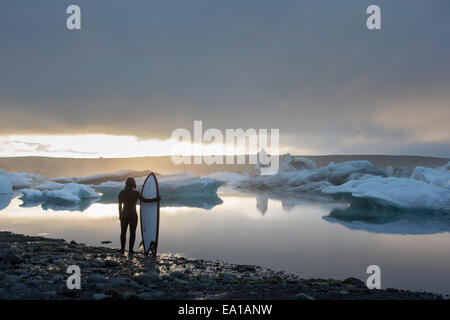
x=133 y=226
x=123 y=233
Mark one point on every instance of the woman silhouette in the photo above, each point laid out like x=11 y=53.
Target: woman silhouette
x=128 y=198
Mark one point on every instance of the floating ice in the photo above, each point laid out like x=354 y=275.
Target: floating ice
x=291 y=163
x=439 y=177
x=5 y=186
x=50 y=186
x=396 y=192
x=200 y=187
x=71 y=193
x=307 y=180
x=21 y=180
x=5 y=192
x=229 y=178
x=444 y=167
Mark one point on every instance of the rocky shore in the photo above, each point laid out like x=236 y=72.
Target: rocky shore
x=36 y=268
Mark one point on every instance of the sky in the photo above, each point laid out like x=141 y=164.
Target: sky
x=138 y=70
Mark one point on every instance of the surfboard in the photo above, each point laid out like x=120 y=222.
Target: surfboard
x=149 y=215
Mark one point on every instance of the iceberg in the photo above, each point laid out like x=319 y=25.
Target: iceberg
x=50 y=186
x=395 y=192
x=229 y=178
x=439 y=177
x=21 y=180
x=191 y=191
x=5 y=186
x=170 y=185
x=309 y=180
x=5 y=200
x=445 y=167
x=71 y=193
x=291 y=163
x=200 y=187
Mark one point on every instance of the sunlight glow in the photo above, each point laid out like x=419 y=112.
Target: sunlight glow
x=95 y=146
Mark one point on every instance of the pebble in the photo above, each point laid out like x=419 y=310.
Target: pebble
x=34 y=268
x=178 y=274
x=146 y=278
x=303 y=296
x=96 y=278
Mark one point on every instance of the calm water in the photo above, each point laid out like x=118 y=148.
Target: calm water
x=293 y=235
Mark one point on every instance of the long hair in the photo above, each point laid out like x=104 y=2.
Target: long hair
x=130 y=183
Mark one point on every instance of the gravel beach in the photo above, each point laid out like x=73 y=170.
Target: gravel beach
x=36 y=268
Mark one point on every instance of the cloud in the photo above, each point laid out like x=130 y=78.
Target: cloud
x=311 y=69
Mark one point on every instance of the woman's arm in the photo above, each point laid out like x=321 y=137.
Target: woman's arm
x=120 y=207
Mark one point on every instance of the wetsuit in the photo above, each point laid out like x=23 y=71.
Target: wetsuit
x=128 y=215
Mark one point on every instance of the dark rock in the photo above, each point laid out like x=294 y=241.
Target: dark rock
x=11 y=258
x=354 y=281
x=178 y=274
x=146 y=278
x=96 y=278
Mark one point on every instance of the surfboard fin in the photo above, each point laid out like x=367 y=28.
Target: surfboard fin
x=141 y=245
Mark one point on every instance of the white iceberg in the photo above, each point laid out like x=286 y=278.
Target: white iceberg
x=170 y=186
x=50 y=186
x=396 y=192
x=291 y=163
x=71 y=193
x=178 y=177
x=5 y=192
x=439 y=177
x=445 y=167
x=307 y=180
x=22 y=179
x=229 y=178
x=5 y=186
x=200 y=187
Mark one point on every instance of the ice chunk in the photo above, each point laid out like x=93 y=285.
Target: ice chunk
x=178 y=177
x=444 y=167
x=291 y=163
x=50 y=186
x=71 y=193
x=229 y=178
x=396 y=192
x=199 y=187
x=5 y=186
x=308 y=179
x=438 y=177
x=21 y=180
x=5 y=192
x=5 y=200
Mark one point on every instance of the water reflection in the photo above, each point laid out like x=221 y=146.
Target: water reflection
x=391 y=220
